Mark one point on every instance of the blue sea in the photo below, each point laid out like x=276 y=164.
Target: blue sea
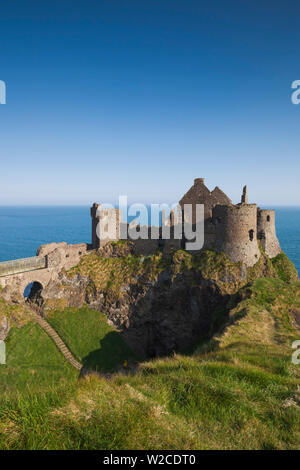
x=23 y=229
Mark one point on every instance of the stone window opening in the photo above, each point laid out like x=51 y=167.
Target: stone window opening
x=262 y=235
x=251 y=235
x=268 y=218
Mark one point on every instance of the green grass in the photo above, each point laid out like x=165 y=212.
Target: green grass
x=239 y=391
x=87 y=334
x=33 y=362
x=36 y=378
x=285 y=268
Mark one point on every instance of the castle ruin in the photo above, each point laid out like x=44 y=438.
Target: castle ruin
x=233 y=229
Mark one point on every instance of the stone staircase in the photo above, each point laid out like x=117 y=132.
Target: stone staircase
x=57 y=340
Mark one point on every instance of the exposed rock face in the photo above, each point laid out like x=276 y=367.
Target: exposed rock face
x=155 y=317
x=162 y=317
x=66 y=292
x=159 y=305
x=116 y=250
x=4 y=328
x=12 y=314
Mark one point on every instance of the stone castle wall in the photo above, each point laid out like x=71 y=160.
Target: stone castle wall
x=108 y=219
x=236 y=232
x=95 y=221
x=200 y=194
x=266 y=232
x=58 y=256
x=228 y=228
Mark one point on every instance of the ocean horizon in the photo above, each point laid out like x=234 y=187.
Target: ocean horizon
x=24 y=228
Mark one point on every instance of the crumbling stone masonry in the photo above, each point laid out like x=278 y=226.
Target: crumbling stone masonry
x=232 y=229
x=266 y=232
x=57 y=256
x=236 y=233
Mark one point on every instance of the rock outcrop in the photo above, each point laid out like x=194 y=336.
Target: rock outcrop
x=156 y=317
x=4 y=328
x=12 y=314
x=159 y=304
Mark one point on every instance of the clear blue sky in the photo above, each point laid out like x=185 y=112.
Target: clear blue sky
x=139 y=97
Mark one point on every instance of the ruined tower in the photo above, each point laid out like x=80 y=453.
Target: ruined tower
x=236 y=229
x=266 y=232
x=95 y=221
x=106 y=222
x=232 y=229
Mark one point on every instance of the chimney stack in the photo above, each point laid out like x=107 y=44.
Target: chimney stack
x=199 y=181
x=244 y=199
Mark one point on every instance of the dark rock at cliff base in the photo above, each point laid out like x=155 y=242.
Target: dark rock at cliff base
x=159 y=304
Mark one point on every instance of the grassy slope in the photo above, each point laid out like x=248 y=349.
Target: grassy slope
x=96 y=344
x=244 y=394
x=239 y=391
x=35 y=377
x=33 y=361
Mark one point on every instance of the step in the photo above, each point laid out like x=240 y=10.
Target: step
x=58 y=341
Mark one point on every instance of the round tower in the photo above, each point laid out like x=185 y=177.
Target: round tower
x=266 y=232
x=236 y=229
x=95 y=220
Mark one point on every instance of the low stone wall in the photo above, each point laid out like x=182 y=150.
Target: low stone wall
x=17 y=266
x=57 y=256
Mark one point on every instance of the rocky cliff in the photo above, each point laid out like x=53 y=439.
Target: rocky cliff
x=12 y=315
x=160 y=304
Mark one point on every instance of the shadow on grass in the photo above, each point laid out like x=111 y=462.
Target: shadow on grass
x=110 y=356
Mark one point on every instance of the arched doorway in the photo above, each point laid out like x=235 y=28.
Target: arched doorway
x=33 y=293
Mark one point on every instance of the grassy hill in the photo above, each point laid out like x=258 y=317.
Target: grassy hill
x=239 y=390
x=95 y=344
x=33 y=361
x=35 y=377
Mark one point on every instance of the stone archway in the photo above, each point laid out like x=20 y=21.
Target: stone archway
x=33 y=293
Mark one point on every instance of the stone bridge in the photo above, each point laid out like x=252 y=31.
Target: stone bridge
x=16 y=275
